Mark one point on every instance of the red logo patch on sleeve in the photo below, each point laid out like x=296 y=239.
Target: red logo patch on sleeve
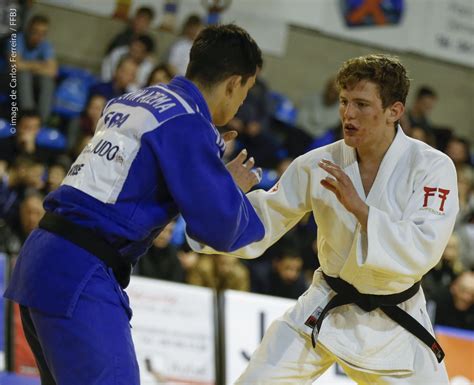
x=431 y=192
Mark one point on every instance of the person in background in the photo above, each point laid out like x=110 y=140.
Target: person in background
x=284 y=278
x=455 y=304
x=178 y=55
x=140 y=50
x=37 y=67
x=122 y=81
x=162 y=73
x=139 y=25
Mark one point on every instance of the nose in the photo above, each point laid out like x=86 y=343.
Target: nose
x=348 y=111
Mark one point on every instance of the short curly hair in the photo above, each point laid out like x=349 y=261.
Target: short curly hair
x=386 y=71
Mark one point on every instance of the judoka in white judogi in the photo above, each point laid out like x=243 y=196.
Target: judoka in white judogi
x=412 y=206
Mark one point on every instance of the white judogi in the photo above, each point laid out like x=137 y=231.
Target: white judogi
x=413 y=204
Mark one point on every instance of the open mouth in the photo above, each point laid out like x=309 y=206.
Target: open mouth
x=350 y=128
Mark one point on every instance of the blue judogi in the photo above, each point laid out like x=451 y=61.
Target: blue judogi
x=155 y=154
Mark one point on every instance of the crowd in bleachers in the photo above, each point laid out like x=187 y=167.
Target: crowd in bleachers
x=60 y=107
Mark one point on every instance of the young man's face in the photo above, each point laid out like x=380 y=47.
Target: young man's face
x=37 y=33
x=366 y=124
x=289 y=269
x=233 y=100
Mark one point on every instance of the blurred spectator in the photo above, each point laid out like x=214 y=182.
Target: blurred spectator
x=122 y=81
x=422 y=135
x=418 y=114
x=31 y=211
x=447 y=269
x=220 y=272
x=188 y=260
x=259 y=100
x=56 y=174
x=37 y=67
x=259 y=143
x=140 y=50
x=85 y=124
x=455 y=305
x=178 y=55
x=161 y=259
x=162 y=73
x=466 y=193
x=458 y=150
x=466 y=236
x=24 y=141
x=319 y=111
x=284 y=278
x=139 y=25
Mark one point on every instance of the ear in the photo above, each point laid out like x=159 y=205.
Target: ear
x=396 y=111
x=232 y=83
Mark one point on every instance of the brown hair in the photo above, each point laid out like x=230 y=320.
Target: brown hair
x=386 y=71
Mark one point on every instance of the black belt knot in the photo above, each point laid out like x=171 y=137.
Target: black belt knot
x=90 y=242
x=348 y=294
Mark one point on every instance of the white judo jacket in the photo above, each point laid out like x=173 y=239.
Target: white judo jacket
x=413 y=205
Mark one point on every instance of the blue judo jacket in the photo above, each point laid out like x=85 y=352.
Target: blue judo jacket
x=155 y=154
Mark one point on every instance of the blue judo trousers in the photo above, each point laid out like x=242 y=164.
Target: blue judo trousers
x=155 y=153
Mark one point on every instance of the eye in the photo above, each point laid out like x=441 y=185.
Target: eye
x=361 y=104
x=343 y=103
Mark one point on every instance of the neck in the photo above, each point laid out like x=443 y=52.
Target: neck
x=212 y=98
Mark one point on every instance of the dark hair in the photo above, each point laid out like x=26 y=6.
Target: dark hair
x=193 y=20
x=166 y=68
x=223 y=51
x=146 y=11
x=384 y=70
x=147 y=41
x=37 y=19
x=425 y=91
x=28 y=114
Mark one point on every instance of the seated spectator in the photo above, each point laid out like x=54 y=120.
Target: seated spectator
x=85 y=124
x=283 y=278
x=455 y=305
x=220 y=272
x=319 y=112
x=122 y=81
x=37 y=67
x=178 y=55
x=162 y=73
x=140 y=50
x=466 y=236
x=466 y=193
x=259 y=143
x=458 y=150
x=447 y=269
x=31 y=212
x=161 y=261
x=24 y=141
x=417 y=115
x=23 y=176
x=188 y=259
x=56 y=174
x=139 y=25
x=422 y=135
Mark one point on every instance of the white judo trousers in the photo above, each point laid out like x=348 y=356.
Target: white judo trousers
x=286 y=357
x=413 y=204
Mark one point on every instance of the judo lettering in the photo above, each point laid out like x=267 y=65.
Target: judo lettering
x=430 y=192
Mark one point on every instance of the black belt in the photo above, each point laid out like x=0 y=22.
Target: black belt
x=90 y=242
x=347 y=294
